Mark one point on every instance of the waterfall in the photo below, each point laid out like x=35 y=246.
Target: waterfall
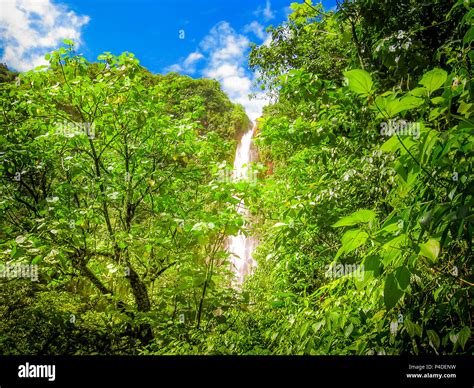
x=241 y=247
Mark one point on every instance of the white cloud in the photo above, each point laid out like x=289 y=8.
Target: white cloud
x=266 y=12
x=188 y=66
x=192 y=59
x=30 y=28
x=224 y=44
x=227 y=55
x=176 y=68
x=257 y=29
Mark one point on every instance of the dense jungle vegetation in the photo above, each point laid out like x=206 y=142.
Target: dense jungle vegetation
x=365 y=162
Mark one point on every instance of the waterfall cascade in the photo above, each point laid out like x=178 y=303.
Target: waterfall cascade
x=241 y=247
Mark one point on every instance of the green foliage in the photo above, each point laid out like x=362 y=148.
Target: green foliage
x=308 y=34
x=200 y=99
x=111 y=186
x=374 y=176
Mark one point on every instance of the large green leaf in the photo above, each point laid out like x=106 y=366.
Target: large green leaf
x=430 y=249
x=403 y=277
x=393 y=249
x=358 y=217
x=463 y=336
x=371 y=268
x=391 y=292
x=434 y=79
x=391 y=145
x=469 y=36
x=394 y=107
x=353 y=239
x=359 y=81
x=433 y=338
x=372 y=264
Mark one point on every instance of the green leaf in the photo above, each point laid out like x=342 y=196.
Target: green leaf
x=360 y=216
x=410 y=328
x=403 y=277
x=434 y=79
x=304 y=328
x=465 y=109
x=372 y=264
x=402 y=104
x=453 y=337
x=438 y=100
x=469 y=36
x=393 y=249
x=463 y=336
x=418 y=92
x=391 y=292
x=391 y=145
x=348 y=330
x=433 y=338
x=413 y=328
x=436 y=112
x=353 y=239
x=430 y=249
x=380 y=104
x=359 y=81
x=37 y=260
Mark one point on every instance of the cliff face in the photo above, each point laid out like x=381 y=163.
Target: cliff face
x=6 y=75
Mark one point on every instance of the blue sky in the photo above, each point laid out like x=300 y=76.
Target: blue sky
x=198 y=38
